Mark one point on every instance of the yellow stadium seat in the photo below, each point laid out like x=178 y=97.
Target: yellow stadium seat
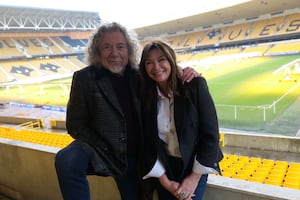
x=277 y=172
x=294 y=165
x=228 y=172
x=242 y=176
x=280 y=168
x=255 y=160
x=268 y=162
x=232 y=157
x=290 y=184
x=224 y=164
x=250 y=168
x=293 y=173
x=257 y=178
x=281 y=163
x=262 y=171
x=225 y=156
x=294 y=179
x=274 y=179
x=244 y=159
x=273 y=182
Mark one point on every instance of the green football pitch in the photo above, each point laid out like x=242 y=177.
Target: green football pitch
x=250 y=96
x=247 y=94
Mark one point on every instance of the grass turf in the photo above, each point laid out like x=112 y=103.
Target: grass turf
x=246 y=93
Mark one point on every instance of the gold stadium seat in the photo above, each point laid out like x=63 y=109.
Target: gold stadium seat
x=262 y=171
x=228 y=172
x=250 y=168
x=276 y=172
x=281 y=163
x=257 y=178
x=291 y=184
x=292 y=179
x=242 y=176
x=273 y=182
x=294 y=165
x=232 y=157
x=268 y=162
x=255 y=160
x=237 y=166
x=293 y=173
x=253 y=165
x=274 y=179
x=224 y=164
x=244 y=159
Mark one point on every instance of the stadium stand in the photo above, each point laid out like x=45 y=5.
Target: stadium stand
x=277 y=28
x=279 y=173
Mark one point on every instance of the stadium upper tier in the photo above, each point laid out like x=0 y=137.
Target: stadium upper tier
x=266 y=30
x=30 y=56
x=39 y=58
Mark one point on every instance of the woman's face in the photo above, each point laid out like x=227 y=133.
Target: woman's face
x=158 y=67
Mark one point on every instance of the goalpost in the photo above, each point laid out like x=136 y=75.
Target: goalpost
x=289 y=69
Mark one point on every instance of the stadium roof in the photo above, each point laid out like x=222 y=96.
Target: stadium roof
x=18 y=19
x=249 y=10
x=37 y=19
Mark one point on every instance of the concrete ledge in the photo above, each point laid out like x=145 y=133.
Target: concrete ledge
x=220 y=188
x=263 y=142
x=28 y=169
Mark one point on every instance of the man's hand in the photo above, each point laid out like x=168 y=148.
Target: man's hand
x=188 y=73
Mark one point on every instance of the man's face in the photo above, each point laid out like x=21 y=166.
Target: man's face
x=114 y=52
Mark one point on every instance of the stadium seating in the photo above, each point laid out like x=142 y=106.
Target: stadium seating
x=241 y=32
x=36 y=136
x=284 y=48
x=267 y=171
x=236 y=33
x=290 y=24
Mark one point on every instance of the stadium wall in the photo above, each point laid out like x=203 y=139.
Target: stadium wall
x=276 y=143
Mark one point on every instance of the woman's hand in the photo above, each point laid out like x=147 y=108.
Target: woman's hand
x=188 y=186
x=169 y=185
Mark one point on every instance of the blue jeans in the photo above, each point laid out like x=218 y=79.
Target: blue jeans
x=72 y=167
x=200 y=190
